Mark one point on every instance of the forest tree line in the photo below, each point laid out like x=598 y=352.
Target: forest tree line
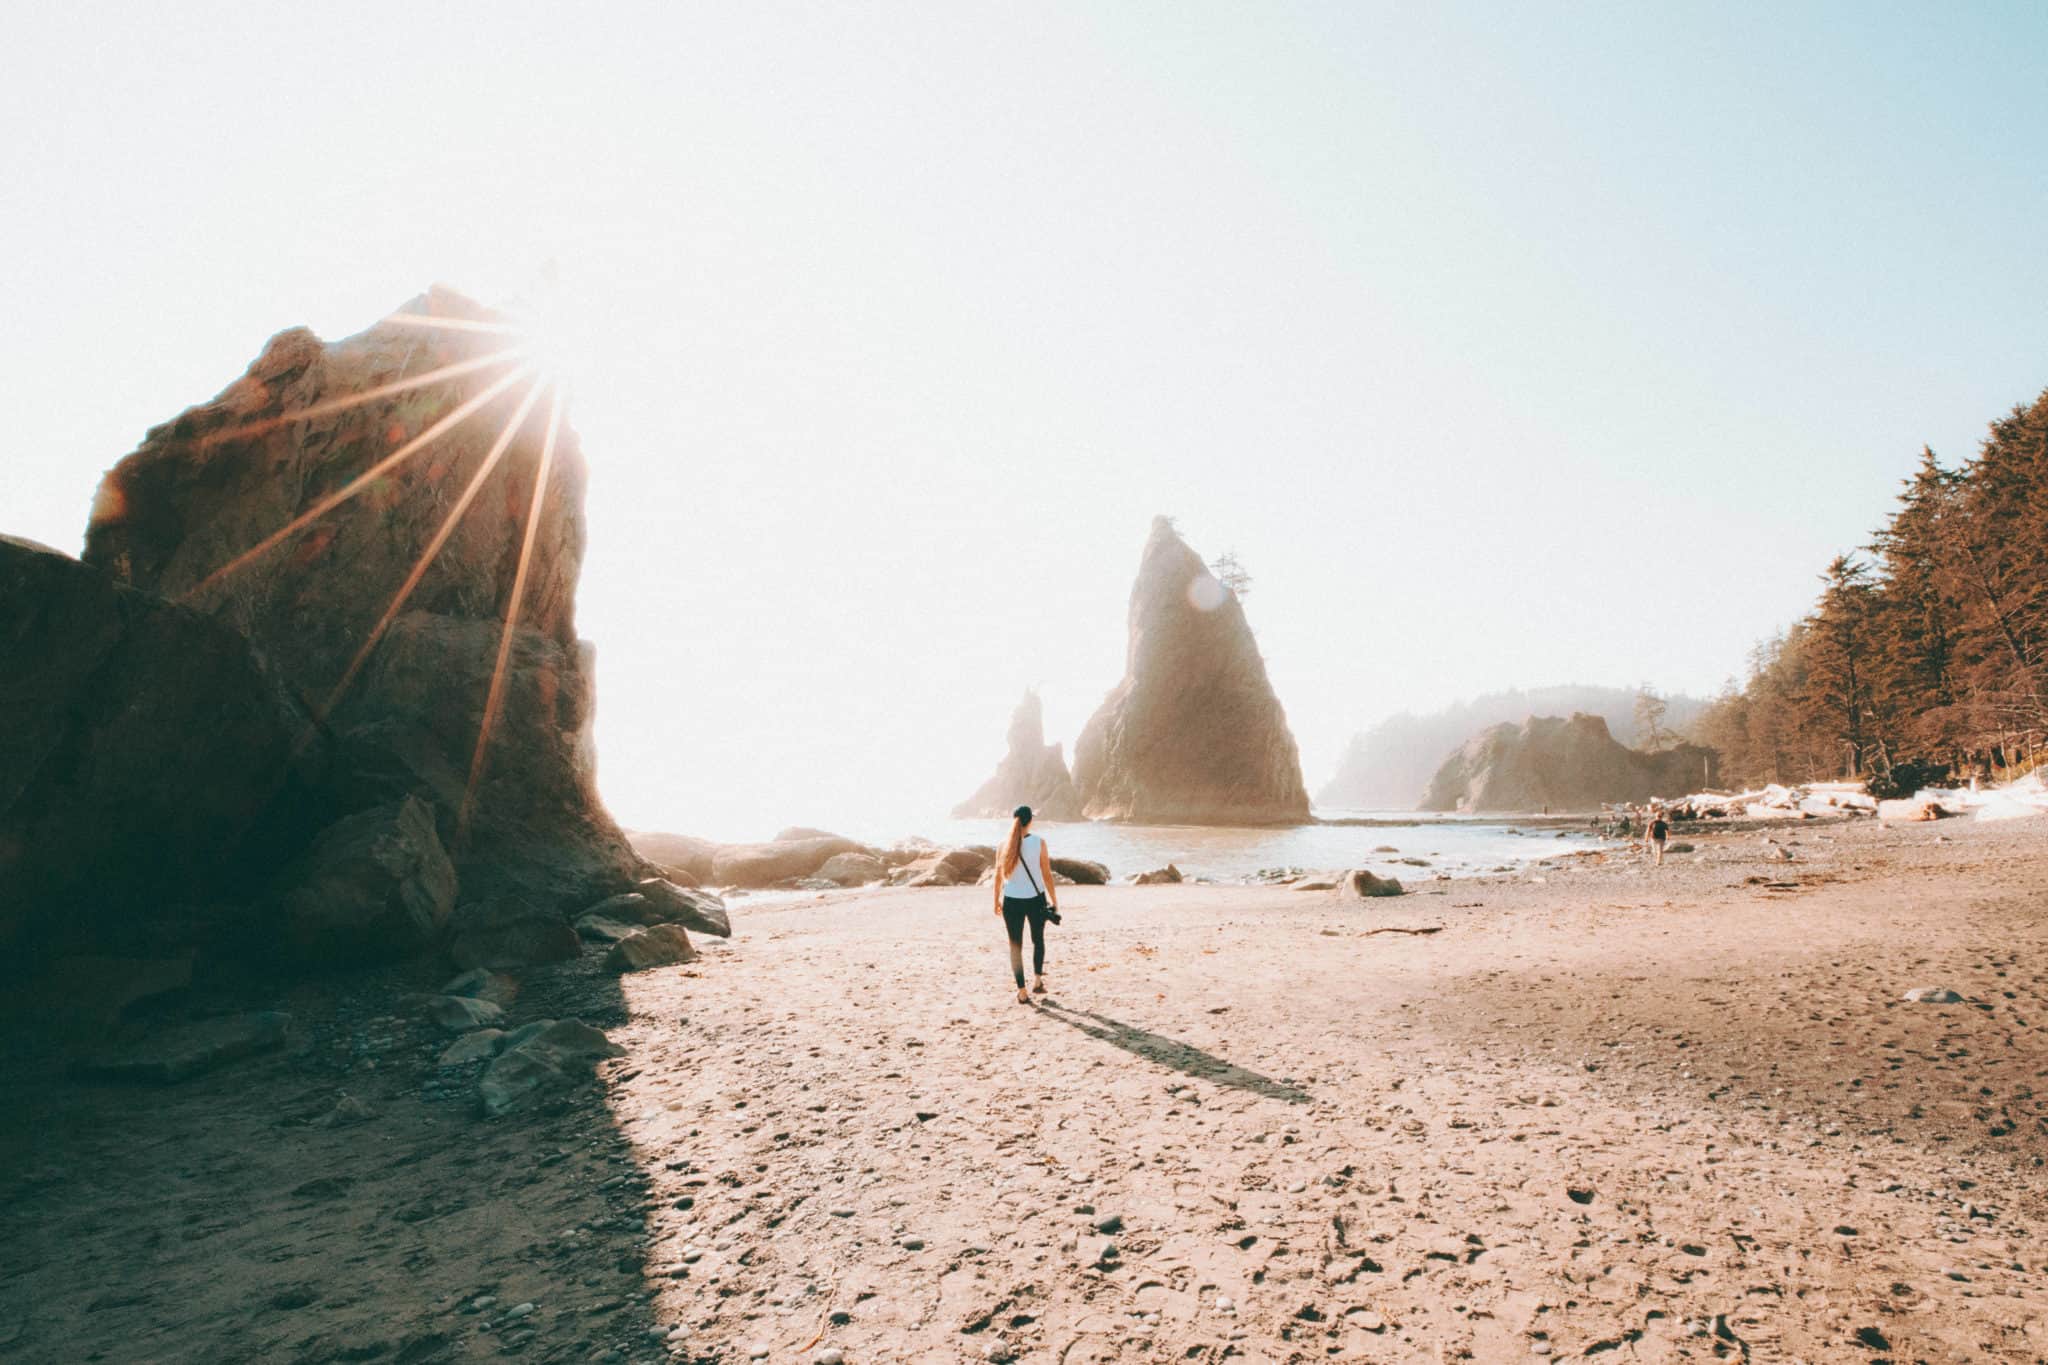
x=1927 y=649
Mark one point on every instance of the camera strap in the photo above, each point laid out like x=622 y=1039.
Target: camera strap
x=1026 y=864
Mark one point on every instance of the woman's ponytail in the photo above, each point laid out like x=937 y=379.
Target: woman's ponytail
x=1020 y=820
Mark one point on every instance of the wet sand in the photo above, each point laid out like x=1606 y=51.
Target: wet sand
x=1672 y=1114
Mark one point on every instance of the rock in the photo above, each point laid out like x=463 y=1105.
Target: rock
x=148 y=783
x=1548 y=763
x=1193 y=734
x=375 y=887
x=687 y=906
x=1360 y=882
x=663 y=945
x=1032 y=773
x=347 y=1110
x=795 y=833
x=479 y=1046
x=189 y=1049
x=628 y=907
x=852 y=869
x=678 y=853
x=1912 y=809
x=460 y=1013
x=542 y=1058
x=1315 y=884
x=509 y=932
x=955 y=867
x=481 y=984
x=757 y=865
x=196 y=512
x=1080 y=871
x=1933 y=995
x=598 y=929
x=1159 y=876
x=831 y=1355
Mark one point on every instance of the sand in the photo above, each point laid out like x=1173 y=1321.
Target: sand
x=1670 y=1114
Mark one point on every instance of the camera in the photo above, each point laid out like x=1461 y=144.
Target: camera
x=1052 y=914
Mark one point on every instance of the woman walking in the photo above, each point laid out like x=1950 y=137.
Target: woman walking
x=1024 y=896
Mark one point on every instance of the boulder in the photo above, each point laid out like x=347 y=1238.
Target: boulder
x=1193 y=734
x=479 y=1046
x=375 y=887
x=955 y=867
x=189 y=1049
x=149 y=787
x=758 y=865
x=852 y=869
x=680 y=853
x=598 y=929
x=1359 y=882
x=507 y=932
x=296 y=506
x=691 y=908
x=1032 y=773
x=798 y=832
x=539 y=1059
x=480 y=984
x=1159 y=877
x=662 y=945
x=1080 y=871
x=460 y=1013
x=1548 y=763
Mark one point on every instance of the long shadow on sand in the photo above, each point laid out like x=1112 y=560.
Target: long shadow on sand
x=1171 y=1052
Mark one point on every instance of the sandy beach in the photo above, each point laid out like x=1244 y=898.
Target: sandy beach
x=1669 y=1114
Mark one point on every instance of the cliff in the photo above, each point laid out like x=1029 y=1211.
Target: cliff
x=1549 y=763
x=1193 y=734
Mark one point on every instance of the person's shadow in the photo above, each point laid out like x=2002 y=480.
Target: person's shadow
x=1173 y=1053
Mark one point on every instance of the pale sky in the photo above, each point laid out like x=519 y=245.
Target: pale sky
x=1457 y=323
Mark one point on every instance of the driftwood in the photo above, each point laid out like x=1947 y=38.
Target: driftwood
x=1397 y=929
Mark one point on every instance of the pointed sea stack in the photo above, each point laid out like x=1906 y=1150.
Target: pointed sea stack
x=1033 y=773
x=311 y=419
x=1193 y=735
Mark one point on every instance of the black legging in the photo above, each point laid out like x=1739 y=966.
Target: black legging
x=1017 y=910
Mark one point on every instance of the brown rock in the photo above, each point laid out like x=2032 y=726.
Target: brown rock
x=1159 y=876
x=148 y=783
x=852 y=869
x=375 y=887
x=1360 y=882
x=955 y=867
x=756 y=865
x=224 y=477
x=1080 y=871
x=1032 y=773
x=679 y=852
x=687 y=906
x=1562 y=765
x=662 y=945
x=1193 y=734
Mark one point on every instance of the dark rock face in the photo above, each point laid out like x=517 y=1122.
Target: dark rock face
x=285 y=439
x=660 y=945
x=148 y=773
x=506 y=932
x=1551 y=763
x=1032 y=773
x=375 y=886
x=1193 y=734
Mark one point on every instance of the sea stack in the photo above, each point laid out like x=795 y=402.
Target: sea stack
x=407 y=415
x=1033 y=773
x=1193 y=734
x=1549 y=763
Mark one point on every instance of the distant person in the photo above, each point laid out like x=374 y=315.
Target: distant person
x=1660 y=830
x=1024 y=896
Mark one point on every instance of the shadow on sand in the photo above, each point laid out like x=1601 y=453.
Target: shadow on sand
x=1171 y=1052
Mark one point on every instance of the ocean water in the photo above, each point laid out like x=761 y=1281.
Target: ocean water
x=1460 y=846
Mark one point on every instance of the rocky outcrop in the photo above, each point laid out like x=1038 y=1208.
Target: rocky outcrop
x=398 y=678
x=506 y=932
x=154 y=773
x=1193 y=734
x=758 y=865
x=1550 y=763
x=1032 y=773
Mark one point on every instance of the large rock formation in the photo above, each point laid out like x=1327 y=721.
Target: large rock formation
x=400 y=685
x=150 y=782
x=1033 y=773
x=1193 y=734
x=1548 y=763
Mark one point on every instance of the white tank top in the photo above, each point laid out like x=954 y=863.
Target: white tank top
x=1020 y=886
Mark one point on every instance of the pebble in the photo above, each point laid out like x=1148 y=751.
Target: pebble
x=1224 y=1305
x=1933 y=995
x=830 y=1356
x=518 y=1310
x=757 y=1353
x=911 y=1243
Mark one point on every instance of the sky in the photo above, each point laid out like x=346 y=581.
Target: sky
x=1503 y=344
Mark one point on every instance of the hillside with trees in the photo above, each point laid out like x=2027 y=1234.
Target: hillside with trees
x=1927 y=649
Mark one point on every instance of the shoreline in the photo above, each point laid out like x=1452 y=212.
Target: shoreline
x=1308 y=1136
